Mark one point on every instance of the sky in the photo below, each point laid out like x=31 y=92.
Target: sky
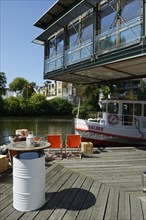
x=19 y=57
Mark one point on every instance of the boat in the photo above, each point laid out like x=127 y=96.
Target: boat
x=121 y=123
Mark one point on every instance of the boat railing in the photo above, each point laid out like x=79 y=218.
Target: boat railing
x=122 y=120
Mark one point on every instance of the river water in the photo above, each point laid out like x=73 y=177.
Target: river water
x=40 y=126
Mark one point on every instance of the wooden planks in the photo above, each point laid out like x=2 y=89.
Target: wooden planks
x=121 y=167
x=85 y=189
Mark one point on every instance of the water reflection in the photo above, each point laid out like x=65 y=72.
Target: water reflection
x=40 y=126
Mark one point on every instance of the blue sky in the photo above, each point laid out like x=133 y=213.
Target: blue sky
x=19 y=57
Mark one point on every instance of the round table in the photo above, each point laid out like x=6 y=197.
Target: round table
x=28 y=175
x=22 y=146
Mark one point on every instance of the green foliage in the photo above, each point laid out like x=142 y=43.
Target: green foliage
x=11 y=106
x=130 y=95
x=84 y=112
x=18 y=84
x=36 y=105
x=59 y=106
x=3 y=82
x=142 y=91
x=27 y=91
x=91 y=93
x=1 y=106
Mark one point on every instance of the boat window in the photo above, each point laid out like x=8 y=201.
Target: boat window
x=137 y=109
x=145 y=110
x=113 y=107
x=127 y=118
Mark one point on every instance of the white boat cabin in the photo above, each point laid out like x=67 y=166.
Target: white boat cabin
x=123 y=113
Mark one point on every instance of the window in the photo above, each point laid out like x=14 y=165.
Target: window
x=137 y=109
x=113 y=108
x=145 y=110
x=56 y=45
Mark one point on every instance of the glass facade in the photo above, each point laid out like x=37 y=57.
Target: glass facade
x=118 y=24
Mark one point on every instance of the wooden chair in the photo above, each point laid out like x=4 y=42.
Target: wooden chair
x=73 y=145
x=55 y=148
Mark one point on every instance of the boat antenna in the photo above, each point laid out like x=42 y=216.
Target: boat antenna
x=77 y=116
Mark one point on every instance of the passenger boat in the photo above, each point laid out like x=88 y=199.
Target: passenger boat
x=122 y=123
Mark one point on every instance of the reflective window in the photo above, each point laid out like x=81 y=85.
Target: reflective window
x=113 y=107
x=145 y=110
x=56 y=45
x=52 y=47
x=137 y=109
x=119 y=28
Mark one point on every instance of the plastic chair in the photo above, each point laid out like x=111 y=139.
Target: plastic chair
x=73 y=145
x=56 y=145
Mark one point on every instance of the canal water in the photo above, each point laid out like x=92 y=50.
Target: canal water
x=40 y=126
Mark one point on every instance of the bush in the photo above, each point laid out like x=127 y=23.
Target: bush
x=36 y=105
x=59 y=106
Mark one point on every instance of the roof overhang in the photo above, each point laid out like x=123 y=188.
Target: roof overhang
x=60 y=15
x=124 y=69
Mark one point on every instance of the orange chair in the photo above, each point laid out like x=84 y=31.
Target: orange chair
x=56 y=145
x=73 y=145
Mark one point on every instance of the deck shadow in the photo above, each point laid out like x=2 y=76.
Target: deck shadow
x=71 y=199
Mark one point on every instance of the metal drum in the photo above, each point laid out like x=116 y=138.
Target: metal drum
x=28 y=181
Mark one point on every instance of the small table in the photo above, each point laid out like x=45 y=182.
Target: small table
x=28 y=175
x=21 y=146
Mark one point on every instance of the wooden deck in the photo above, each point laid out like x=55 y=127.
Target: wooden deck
x=101 y=188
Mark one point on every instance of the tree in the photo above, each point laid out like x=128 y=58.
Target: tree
x=11 y=106
x=27 y=91
x=59 y=106
x=142 y=90
x=3 y=81
x=37 y=104
x=130 y=95
x=18 y=84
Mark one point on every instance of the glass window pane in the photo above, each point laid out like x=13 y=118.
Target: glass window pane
x=113 y=107
x=145 y=110
x=137 y=109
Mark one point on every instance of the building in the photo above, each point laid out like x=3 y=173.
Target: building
x=60 y=89
x=94 y=41
x=123 y=88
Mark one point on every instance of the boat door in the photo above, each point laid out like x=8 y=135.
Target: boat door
x=127 y=112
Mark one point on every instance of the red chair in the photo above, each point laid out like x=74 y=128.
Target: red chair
x=55 y=148
x=73 y=145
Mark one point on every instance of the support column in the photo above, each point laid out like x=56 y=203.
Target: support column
x=118 y=37
x=66 y=42
x=98 y=27
x=144 y=18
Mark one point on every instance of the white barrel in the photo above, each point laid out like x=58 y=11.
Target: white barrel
x=28 y=181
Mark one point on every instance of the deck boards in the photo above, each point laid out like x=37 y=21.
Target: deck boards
x=103 y=188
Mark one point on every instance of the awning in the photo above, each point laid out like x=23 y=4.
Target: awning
x=60 y=15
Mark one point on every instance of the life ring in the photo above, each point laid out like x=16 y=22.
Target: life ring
x=113 y=119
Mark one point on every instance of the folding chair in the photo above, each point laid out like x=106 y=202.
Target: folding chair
x=73 y=145
x=56 y=145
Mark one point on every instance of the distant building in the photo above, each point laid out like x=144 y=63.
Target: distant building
x=60 y=89
x=10 y=93
x=124 y=87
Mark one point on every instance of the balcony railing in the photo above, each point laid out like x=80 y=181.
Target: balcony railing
x=54 y=63
x=126 y=35
x=78 y=53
